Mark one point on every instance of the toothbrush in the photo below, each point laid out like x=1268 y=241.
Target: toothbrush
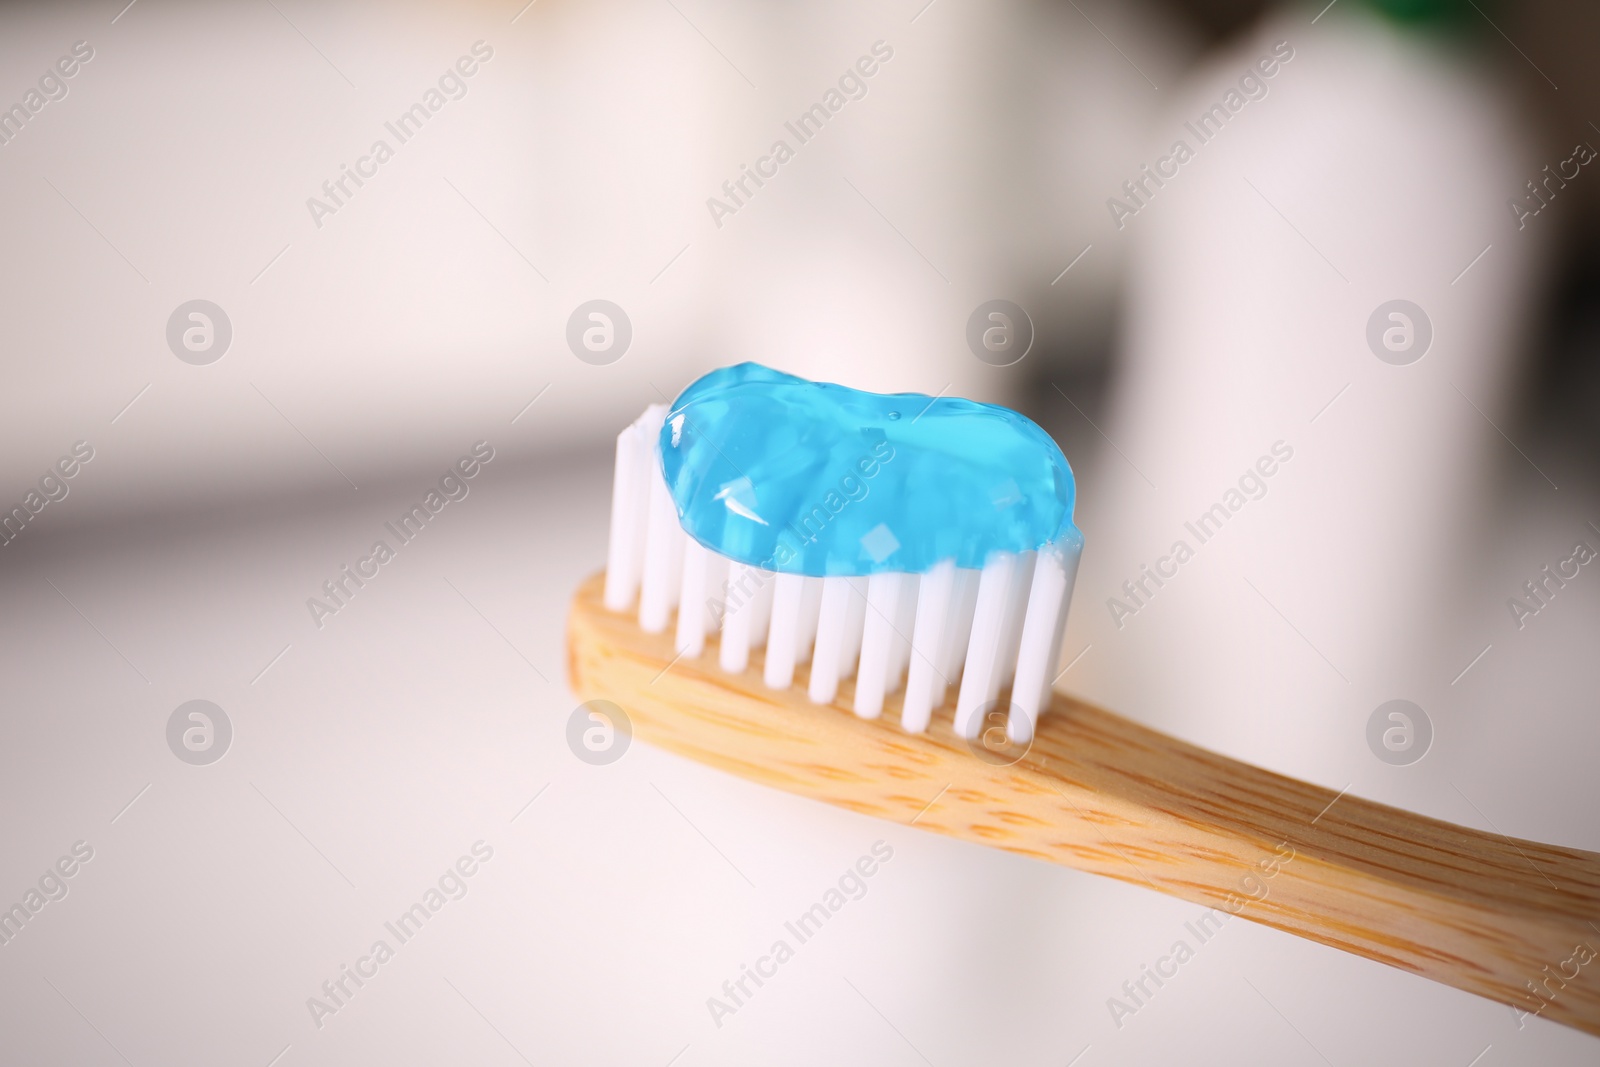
x=809 y=682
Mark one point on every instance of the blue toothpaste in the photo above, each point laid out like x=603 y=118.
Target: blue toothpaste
x=810 y=478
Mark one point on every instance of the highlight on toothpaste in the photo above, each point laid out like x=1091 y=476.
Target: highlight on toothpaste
x=898 y=540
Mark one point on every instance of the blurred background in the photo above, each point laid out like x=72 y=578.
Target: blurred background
x=270 y=269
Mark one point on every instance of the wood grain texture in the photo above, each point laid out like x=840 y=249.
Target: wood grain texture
x=1515 y=921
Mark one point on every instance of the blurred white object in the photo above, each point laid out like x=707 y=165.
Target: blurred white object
x=966 y=170
x=1324 y=485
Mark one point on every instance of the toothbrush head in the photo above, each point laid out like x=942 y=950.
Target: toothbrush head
x=915 y=544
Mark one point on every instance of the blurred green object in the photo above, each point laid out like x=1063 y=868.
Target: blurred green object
x=1452 y=13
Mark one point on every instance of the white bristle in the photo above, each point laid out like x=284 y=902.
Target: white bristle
x=980 y=676
x=958 y=631
x=1070 y=555
x=692 y=616
x=1000 y=625
x=662 y=580
x=1016 y=608
x=925 y=684
x=855 y=622
x=739 y=619
x=810 y=609
x=833 y=621
x=877 y=643
x=1040 y=641
x=630 y=495
x=761 y=605
x=783 y=634
x=905 y=619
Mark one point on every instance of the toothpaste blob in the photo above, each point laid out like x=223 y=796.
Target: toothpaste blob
x=816 y=479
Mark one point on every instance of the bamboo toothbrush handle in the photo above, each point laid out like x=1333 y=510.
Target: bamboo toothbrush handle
x=1515 y=921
